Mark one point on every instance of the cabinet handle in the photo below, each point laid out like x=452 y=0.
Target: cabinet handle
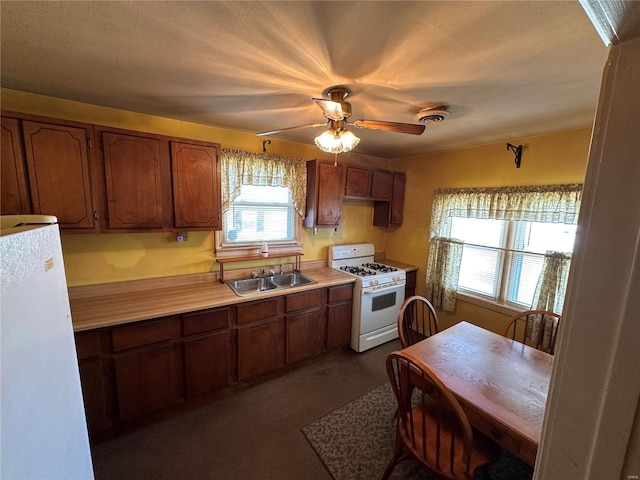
x=95 y=214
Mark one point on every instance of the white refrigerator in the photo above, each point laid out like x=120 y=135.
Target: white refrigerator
x=43 y=432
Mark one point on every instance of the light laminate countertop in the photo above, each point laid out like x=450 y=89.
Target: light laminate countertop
x=106 y=305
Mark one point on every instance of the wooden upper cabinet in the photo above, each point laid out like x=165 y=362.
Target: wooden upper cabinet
x=397 y=199
x=196 y=186
x=358 y=182
x=381 y=185
x=325 y=187
x=390 y=213
x=133 y=175
x=15 y=195
x=58 y=169
x=364 y=182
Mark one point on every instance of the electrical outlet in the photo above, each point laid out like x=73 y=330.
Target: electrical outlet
x=182 y=237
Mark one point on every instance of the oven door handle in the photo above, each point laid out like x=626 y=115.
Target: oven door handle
x=382 y=290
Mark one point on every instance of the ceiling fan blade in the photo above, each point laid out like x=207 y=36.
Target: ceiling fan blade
x=409 y=128
x=331 y=109
x=288 y=129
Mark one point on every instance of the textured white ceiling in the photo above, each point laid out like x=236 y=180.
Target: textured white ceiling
x=505 y=69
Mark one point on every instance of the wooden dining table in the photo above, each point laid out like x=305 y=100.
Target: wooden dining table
x=501 y=384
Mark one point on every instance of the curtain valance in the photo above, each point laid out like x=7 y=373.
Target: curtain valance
x=246 y=168
x=543 y=203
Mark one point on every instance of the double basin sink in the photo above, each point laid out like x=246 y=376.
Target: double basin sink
x=268 y=283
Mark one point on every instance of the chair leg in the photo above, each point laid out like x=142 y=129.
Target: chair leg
x=394 y=460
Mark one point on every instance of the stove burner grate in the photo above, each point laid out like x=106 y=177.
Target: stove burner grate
x=357 y=271
x=380 y=267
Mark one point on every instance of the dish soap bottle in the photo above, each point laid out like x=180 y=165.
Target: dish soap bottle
x=265 y=249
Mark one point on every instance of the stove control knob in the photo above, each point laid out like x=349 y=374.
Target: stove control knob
x=376 y=281
x=371 y=283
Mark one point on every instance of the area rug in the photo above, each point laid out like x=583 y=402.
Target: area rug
x=355 y=442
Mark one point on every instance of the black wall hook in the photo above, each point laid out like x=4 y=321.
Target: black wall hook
x=517 y=151
x=264 y=145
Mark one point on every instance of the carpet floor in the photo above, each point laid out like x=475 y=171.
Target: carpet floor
x=355 y=442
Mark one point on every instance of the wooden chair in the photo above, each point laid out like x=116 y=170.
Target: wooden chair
x=432 y=426
x=522 y=328
x=417 y=320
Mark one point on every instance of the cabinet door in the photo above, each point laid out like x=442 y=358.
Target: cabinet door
x=58 y=168
x=133 y=175
x=147 y=379
x=260 y=347
x=15 y=197
x=196 y=186
x=325 y=188
x=397 y=199
x=93 y=395
x=381 y=185
x=410 y=286
x=304 y=335
x=391 y=213
x=330 y=187
x=358 y=182
x=338 y=324
x=207 y=363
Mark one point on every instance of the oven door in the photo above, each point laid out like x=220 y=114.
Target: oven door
x=380 y=308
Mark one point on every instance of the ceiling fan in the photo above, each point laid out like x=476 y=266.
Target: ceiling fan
x=337 y=139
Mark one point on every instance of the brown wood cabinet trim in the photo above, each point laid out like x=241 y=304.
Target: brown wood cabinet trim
x=144 y=333
x=340 y=293
x=14 y=190
x=303 y=300
x=205 y=321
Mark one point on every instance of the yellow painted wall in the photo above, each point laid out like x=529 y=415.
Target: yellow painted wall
x=548 y=159
x=102 y=258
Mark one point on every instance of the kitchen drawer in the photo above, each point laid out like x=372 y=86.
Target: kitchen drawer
x=144 y=333
x=340 y=293
x=303 y=300
x=258 y=310
x=528 y=451
x=501 y=435
x=87 y=345
x=205 y=321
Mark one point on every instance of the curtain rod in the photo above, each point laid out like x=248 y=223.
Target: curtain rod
x=504 y=249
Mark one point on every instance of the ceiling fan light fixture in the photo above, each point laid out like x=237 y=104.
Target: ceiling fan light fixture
x=340 y=141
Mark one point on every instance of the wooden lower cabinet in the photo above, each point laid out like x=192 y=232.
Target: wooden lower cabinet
x=260 y=347
x=93 y=394
x=147 y=365
x=206 y=363
x=207 y=351
x=94 y=381
x=260 y=336
x=147 y=379
x=339 y=315
x=130 y=371
x=304 y=337
x=410 y=286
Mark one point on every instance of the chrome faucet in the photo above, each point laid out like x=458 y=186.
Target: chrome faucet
x=255 y=274
x=280 y=269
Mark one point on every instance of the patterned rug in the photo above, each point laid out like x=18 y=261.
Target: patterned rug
x=355 y=442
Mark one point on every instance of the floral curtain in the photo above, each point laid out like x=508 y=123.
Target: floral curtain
x=443 y=271
x=540 y=203
x=552 y=285
x=246 y=168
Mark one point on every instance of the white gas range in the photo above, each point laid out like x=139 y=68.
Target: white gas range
x=377 y=295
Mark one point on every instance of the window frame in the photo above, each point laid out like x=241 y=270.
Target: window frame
x=501 y=303
x=224 y=250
